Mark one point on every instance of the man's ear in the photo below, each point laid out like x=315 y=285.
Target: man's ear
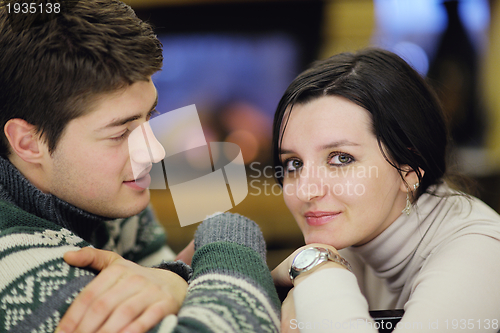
x=410 y=177
x=24 y=141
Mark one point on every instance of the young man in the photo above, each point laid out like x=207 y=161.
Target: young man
x=73 y=84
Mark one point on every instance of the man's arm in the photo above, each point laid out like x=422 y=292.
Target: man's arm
x=231 y=287
x=123 y=295
x=36 y=285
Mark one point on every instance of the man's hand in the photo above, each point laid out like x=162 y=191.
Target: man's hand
x=124 y=297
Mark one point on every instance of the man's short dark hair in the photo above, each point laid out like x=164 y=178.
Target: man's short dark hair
x=53 y=72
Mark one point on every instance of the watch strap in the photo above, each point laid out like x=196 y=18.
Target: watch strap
x=339 y=260
x=324 y=255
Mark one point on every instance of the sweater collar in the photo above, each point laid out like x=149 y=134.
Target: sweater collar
x=17 y=190
x=391 y=251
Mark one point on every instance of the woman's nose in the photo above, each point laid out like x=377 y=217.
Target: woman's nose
x=310 y=184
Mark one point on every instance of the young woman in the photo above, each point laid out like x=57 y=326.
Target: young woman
x=360 y=148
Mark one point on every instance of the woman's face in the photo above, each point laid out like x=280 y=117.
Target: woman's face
x=337 y=183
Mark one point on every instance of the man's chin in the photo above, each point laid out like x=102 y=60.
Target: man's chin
x=126 y=208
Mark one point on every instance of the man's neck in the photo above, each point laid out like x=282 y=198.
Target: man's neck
x=18 y=190
x=34 y=173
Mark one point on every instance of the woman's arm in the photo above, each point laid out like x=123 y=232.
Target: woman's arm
x=327 y=298
x=456 y=289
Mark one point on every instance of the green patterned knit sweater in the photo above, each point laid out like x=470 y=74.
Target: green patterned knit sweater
x=231 y=289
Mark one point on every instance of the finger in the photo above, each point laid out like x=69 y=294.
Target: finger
x=281 y=275
x=109 y=301
x=281 y=279
x=141 y=312
x=90 y=257
x=187 y=253
x=75 y=313
x=149 y=318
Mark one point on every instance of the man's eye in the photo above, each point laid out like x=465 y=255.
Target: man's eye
x=292 y=165
x=152 y=113
x=341 y=159
x=121 y=137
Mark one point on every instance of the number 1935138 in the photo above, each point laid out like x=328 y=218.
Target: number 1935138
x=33 y=8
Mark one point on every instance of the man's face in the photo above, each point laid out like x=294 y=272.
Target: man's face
x=90 y=167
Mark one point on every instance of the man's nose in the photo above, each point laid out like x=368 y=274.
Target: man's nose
x=144 y=146
x=156 y=150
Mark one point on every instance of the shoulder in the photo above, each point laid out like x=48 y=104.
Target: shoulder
x=21 y=231
x=452 y=212
x=460 y=221
x=28 y=245
x=36 y=285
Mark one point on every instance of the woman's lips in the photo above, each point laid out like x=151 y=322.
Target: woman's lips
x=320 y=218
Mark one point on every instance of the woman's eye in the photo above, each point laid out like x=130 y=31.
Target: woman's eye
x=341 y=159
x=292 y=165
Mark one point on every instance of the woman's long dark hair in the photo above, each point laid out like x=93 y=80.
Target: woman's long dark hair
x=407 y=118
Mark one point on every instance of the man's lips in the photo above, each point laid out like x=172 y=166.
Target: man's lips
x=141 y=175
x=142 y=181
x=319 y=217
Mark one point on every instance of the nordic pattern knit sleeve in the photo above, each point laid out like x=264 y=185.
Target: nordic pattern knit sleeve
x=37 y=286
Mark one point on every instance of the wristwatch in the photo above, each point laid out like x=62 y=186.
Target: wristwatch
x=311 y=257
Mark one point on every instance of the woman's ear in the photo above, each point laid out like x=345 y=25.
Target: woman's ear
x=410 y=177
x=23 y=140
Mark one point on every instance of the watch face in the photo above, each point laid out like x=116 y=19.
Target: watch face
x=305 y=258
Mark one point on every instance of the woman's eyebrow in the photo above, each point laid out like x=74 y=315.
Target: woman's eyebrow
x=331 y=145
x=337 y=144
x=286 y=151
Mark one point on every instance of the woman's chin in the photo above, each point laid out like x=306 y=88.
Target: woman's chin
x=321 y=239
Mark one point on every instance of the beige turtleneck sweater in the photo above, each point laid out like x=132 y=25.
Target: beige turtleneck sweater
x=441 y=264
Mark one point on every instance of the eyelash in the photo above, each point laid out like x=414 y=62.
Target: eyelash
x=127 y=131
x=151 y=113
x=337 y=154
x=121 y=137
x=330 y=157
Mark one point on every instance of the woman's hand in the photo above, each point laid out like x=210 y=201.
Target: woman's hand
x=288 y=314
x=281 y=278
x=186 y=255
x=281 y=275
x=124 y=297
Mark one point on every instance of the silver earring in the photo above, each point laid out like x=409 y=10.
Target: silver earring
x=407 y=209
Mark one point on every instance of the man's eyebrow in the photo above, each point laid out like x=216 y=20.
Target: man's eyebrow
x=123 y=121
x=332 y=145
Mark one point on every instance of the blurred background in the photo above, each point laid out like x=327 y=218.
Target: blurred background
x=234 y=59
